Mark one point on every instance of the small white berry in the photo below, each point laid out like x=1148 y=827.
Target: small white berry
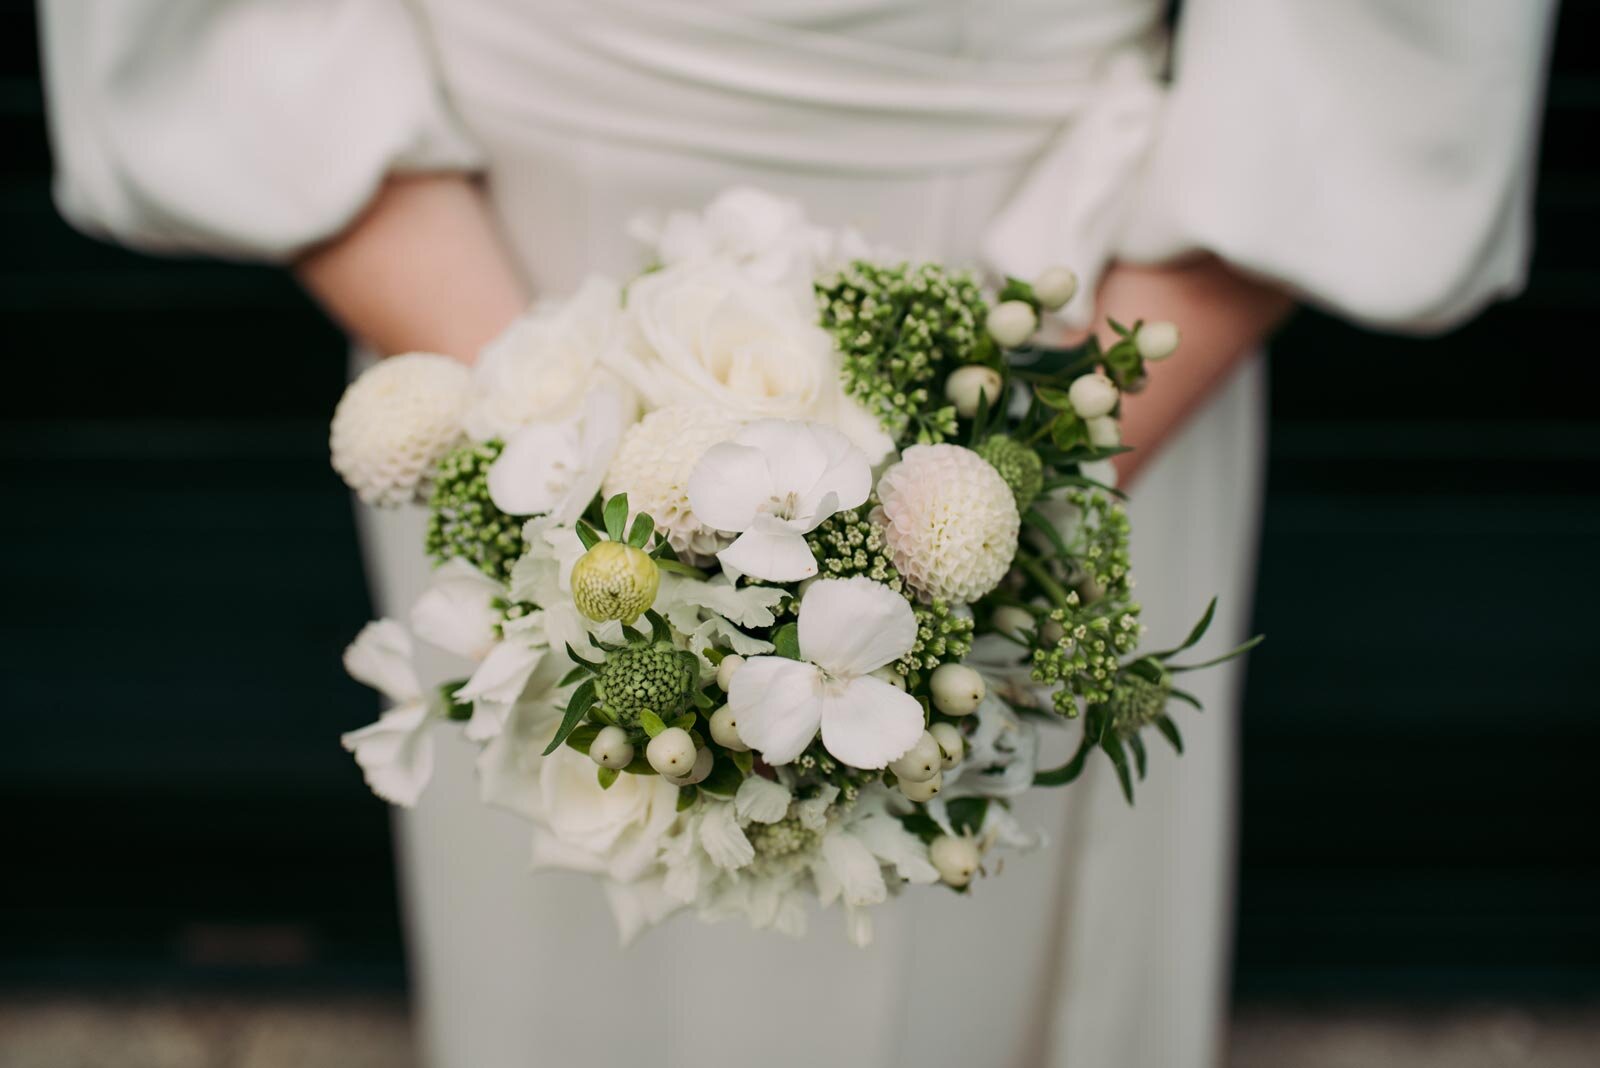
x=1104 y=432
x=1055 y=286
x=702 y=768
x=611 y=748
x=1012 y=621
x=671 y=752
x=956 y=859
x=725 y=730
x=921 y=762
x=1011 y=323
x=888 y=674
x=957 y=689
x=1157 y=341
x=923 y=791
x=951 y=745
x=966 y=384
x=730 y=663
x=1092 y=395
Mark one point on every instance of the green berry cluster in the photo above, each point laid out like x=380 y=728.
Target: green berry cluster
x=816 y=767
x=464 y=522
x=898 y=328
x=1099 y=543
x=773 y=841
x=651 y=675
x=848 y=543
x=942 y=637
x=1019 y=465
x=1136 y=702
x=1084 y=656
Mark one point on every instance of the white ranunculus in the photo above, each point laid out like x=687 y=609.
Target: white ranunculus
x=773 y=484
x=706 y=333
x=544 y=364
x=581 y=826
x=396 y=752
x=456 y=612
x=848 y=629
x=556 y=469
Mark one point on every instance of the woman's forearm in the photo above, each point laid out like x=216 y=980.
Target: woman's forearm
x=422 y=269
x=1222 y=317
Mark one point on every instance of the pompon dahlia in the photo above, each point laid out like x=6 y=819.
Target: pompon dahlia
x=950 y=521
x=395 y=422
x=653 y=465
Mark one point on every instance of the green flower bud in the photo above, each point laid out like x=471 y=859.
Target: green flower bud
x=614 y=581
x=1019 y=465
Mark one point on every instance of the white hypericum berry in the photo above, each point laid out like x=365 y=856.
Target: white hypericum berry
x=671 y=752
x=396 y=422
x=923 y=791
x=957 y=689
x=725 y=669
x=966 y=384
x=951 y=744
x=725 y=730
x=697 y=771
x=1104 y=432
x=1055 y=286
x=949 y=520
x=1156 y=341
x=611 y=748
x=955 y=859
x=1011 y=323
x=888 y=674
x=921 y=762
x=1012 y=621
x=1092 y=395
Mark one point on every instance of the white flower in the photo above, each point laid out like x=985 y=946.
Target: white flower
x=848 y=629
x=580 y=826
x=395 y=422
x=543 y=576
x=774 y=483
x=456 y=612
x=950 y=522
x=544 y=364
x=703 y=333
x=396 y=752
x=508 y=767
x=1002 y=755
x=556 y=469
x=653 y=465
x=501 y=677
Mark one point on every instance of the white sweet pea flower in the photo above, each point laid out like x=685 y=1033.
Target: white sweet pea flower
x=556 y=468
x=848 y=629
x=396 y=752
x=773 y=484
x=456 y=612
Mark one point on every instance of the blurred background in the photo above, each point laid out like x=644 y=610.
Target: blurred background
x=195 y=873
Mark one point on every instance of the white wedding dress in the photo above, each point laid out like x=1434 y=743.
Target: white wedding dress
x=1374 y=157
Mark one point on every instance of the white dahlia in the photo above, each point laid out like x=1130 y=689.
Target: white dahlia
x=653 y=466
x=395 y=422
x=949 y=520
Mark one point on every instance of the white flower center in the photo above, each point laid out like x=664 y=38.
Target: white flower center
x=785 y=507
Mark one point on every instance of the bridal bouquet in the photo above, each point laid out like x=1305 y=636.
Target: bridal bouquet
x=764 y=569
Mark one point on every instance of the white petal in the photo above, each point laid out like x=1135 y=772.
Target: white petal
x=606 y=414
x=852 y=863
x=729 y=485
x=858 y=927
x=869 y=723
x=854 y=626
x=778 y=705
x=890 y=841
x=456 y=612
x=638 y=906
x=380 y=656
x=508 y=767
x=503 y=673
x=762 y=800
x=771 y=552
x=536 y=468
x=395 y=753
x=723 y=839
x=813 y=811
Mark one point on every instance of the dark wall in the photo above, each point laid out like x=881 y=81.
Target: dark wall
x=181 y=572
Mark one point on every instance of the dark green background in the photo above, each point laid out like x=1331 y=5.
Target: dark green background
x=180 y=573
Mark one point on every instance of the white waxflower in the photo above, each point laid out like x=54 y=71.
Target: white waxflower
x=556 y=468
x=848 y=628
x=653 y=465
x=457 y=611
x=395 y=422
x=950 y=522
x=773 y=484
x=396 y=752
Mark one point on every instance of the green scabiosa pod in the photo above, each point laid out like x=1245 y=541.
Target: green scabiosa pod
x=646 y=676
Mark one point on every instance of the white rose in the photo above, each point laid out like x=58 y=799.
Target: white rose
x=542 y=366
x=706 y=333
x=582 y=827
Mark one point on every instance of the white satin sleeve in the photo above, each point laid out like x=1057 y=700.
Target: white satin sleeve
x=245 y=129
x=1374 y=156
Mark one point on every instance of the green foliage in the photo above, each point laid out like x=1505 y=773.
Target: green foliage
x=1018 y=464
x=942 y=637
x=462 y=520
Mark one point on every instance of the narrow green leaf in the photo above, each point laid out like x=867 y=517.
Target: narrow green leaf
x=583 y=736
x=1035 y=519
x=577 y=705
x=1054 y=398
x=1169 y=731
x=640 y=765
x=745 y=762
x=580 y=664
x=724 y=779
x=685 y=721
x=606 y=777
x=659 y=631
x=1070 y=770
x=921 y=824
x=1112 y=747
x=616 y=515
x=643 y=527
x=1136 y=744
x=967 y=814
x=1223 y=659
x=577 y=674
x=786 y=641
x=454 y=709
x=1187 y=698
x=651 y=723
x=687 y=796
x=673 y=567
x=1196 y=632
x=703 y=702
x=587 y=534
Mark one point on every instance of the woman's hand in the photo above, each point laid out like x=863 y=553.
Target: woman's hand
x=423 y=269
x=1222 y=316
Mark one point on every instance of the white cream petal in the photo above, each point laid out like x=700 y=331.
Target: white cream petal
x=380 y=656
x=770 y=552
x=395 y=753
x=729 y=485
x=456 y=612
x=778 y=706
x=762 y=800
x=852 y=863
x=723 y=839
x=637 y=906
x=535 y=469
x=870 y=723
x=891 y=842
x=854 y=626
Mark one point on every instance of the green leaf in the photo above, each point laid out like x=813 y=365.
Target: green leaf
x=453 y=708
x=1054 y=398
x=652 y=723
x=616 y=514
x=587 y=534
x=606 y=777
x=1197 y=632
x=575 y=675
x=577 y=705
x=673 y=567
x=745 y=762
x=687 y=796
x=659 y=631
x=1187 y=698
x=1223 y=659
x=580 y=663
x=1112 y=746
x=1068 y=431
x=583 y=736
x=786 y=641
x=702 y=701
x=967 y=813
x=1070 y=770
x=724 y=779
x=979 y=418
x=1169 y=731
x=640 y=765
x=1082 y=482
x=1035 y=519
x=922 y=825
x=643 y=527
x=1136 y=744
x=684 y=722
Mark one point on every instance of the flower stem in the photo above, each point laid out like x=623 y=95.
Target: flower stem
x=1042 y=576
